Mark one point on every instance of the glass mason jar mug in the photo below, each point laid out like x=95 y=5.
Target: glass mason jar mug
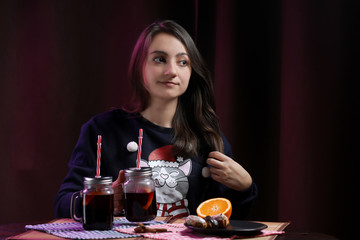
x=97 y=204
x=140 y=197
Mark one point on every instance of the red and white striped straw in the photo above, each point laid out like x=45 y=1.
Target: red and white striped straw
x=139 y=148
x=98 y=156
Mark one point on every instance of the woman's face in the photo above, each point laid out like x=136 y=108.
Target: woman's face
x=167 y=68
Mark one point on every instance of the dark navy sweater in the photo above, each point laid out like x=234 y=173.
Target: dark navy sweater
x=179 y=180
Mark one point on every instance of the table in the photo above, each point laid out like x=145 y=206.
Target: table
x=18 y=231
x=12 y=229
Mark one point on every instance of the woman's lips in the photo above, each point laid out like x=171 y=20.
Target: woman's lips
x=169 y=83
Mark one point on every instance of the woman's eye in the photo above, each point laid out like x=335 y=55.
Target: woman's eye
x=159 y=59
x=183 y=62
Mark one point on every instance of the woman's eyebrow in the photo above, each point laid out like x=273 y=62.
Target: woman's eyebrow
x=182 y=54
x=166 y=54
x=159 y=52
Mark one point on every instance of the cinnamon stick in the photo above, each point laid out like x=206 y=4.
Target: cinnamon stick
x=143 y=229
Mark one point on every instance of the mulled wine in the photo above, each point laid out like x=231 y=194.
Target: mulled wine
x=98 y=212
x=140 y=207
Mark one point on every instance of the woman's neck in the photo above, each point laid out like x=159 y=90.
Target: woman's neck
x=160 y=114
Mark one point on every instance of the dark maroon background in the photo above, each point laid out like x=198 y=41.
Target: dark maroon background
x=285 y=74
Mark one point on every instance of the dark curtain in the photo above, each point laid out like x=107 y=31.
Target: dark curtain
x=285 y=75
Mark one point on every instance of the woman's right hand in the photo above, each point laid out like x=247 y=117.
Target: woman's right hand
x=118 y=193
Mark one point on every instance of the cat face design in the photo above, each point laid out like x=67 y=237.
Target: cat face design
x=169 y=176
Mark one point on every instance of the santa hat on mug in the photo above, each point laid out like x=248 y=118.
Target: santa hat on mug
x=163 y=157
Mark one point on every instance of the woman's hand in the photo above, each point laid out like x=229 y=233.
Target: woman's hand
x=119 y=193
x=225 y=170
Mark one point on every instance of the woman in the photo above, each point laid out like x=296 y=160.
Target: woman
x=176 y=110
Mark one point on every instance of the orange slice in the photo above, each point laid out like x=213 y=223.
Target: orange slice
x=150 y=197
x=213 y=207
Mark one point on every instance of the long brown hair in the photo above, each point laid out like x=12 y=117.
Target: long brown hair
x=195 y=124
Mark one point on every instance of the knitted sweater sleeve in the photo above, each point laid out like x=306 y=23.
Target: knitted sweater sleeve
x=82 y=164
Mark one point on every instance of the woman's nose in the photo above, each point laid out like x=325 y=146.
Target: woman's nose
x=171 y=70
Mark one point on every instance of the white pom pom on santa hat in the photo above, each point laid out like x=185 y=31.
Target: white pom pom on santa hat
x=132 y=146
x=205 y=172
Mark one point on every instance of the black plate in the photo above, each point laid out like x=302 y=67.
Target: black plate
x=236 y=227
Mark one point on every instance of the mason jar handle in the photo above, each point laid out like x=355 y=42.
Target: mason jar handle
x=74 y=199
